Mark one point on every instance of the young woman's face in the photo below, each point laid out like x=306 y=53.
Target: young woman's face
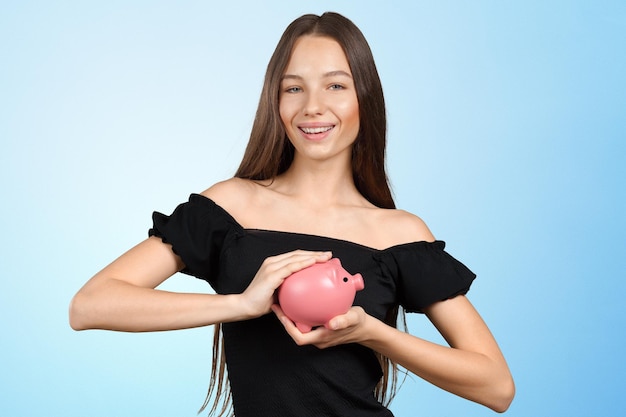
x=318 y=103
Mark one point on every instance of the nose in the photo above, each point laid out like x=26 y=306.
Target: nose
x=357 y=279
x=314 y=104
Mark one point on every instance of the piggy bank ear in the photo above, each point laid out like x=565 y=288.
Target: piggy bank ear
x=335 y=261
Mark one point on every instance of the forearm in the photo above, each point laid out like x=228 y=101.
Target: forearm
x=118 y=305
x=472 y=375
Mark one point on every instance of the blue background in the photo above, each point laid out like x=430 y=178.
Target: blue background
x=506 y=134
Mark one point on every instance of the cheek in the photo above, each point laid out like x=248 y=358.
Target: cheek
x=351 y=114
x=285 y=110
x=286 y=113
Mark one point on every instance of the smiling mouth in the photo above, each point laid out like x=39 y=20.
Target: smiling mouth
x=316 y=130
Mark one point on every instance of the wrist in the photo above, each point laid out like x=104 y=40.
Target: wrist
x=238 y=307
x=376 y=333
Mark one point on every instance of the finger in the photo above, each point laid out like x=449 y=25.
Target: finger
x=290 y=327
x=280 y=314
x=296 y=262
x=286 y=321
x=343 y=321
x=338 y=323
x=335 y=323
x=301 y=260
x=278 y=311
x=299 y=253
x=319 y=337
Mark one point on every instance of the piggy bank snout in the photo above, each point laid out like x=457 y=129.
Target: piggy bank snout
x=357 y=281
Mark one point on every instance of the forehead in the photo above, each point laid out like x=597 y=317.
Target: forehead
x=312 y=53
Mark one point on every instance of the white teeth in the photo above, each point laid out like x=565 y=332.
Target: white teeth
x=311 y=130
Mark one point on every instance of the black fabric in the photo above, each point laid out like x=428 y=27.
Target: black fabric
x=196 y=230
x=425 y=273
x=269 y=374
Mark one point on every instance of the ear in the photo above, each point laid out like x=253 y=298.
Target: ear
x=335 y=261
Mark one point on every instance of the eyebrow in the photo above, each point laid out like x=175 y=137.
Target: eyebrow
x=326 y=75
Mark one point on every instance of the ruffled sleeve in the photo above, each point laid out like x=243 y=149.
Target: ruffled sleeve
x=197 y=231
x=425 y=273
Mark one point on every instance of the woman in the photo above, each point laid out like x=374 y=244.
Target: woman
x=311 y=186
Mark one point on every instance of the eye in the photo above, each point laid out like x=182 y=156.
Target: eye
x=345 y=279
x=293 y=90
x=336 y=87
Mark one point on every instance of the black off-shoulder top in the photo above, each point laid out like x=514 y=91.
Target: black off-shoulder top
x=269 y=374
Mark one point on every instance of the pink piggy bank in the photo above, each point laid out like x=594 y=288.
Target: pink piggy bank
x=314 y=295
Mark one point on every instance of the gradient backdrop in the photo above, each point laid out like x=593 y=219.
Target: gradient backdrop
x=506 y=134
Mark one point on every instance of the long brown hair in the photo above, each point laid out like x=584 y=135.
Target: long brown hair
x=269 y=153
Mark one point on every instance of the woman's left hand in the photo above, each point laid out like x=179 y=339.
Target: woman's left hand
x=342 y=329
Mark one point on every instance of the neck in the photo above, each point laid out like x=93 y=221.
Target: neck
x=319 y=183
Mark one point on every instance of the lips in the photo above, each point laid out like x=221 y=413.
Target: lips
x=315 y=130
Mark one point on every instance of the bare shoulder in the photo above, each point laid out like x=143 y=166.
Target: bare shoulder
x=231 y=193
x=403 y=227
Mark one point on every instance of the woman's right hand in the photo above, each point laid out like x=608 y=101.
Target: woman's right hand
x=258 y=298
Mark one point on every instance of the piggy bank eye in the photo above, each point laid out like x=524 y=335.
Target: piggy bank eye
x=345 y=279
